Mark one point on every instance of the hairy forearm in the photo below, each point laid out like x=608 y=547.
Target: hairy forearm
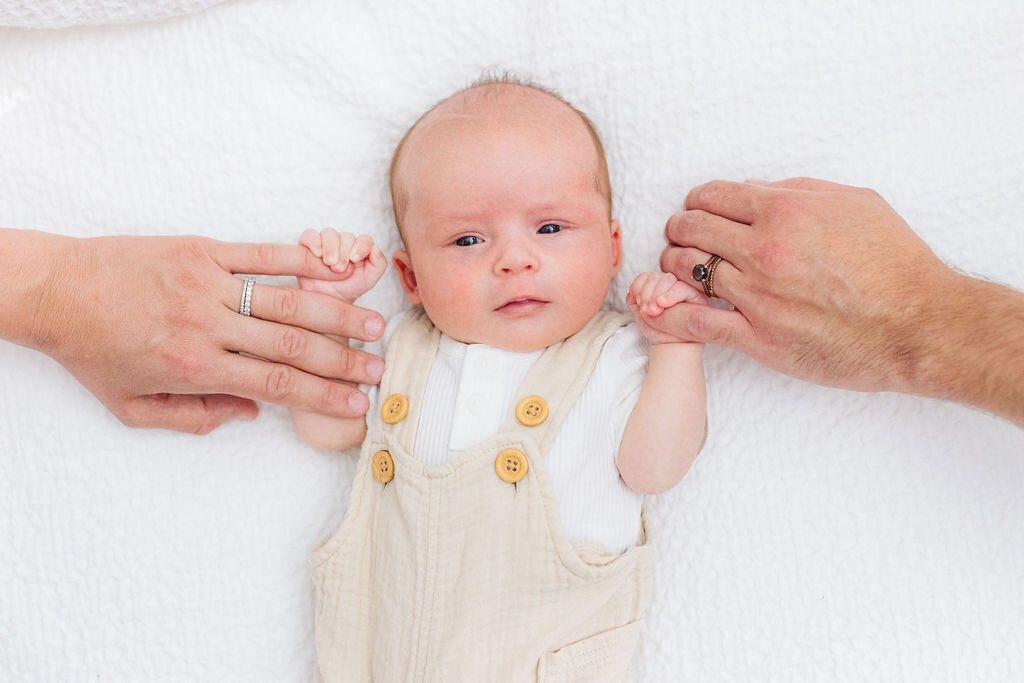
x=970 y=348
x=666 y=429
x=36 y=278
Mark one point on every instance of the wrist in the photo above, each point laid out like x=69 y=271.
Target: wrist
x=672 y=351
x=965 y=341
x=39 y=277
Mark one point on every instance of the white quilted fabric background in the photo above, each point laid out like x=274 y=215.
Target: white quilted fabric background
x=823 y=535
x=64 y=13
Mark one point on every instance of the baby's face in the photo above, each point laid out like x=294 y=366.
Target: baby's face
x=508 y=235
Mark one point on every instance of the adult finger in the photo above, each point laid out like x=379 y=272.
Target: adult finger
x=712 y=234
x=302 y=349
x=310 y=310
x=730 y=282
x=810 y=184
x=738 y=202
x=269 y=259
x=284 y=385
x=706 y=324
x=195 y=414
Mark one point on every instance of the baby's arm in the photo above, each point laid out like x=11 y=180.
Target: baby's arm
x=365 y=264
x=666 y=429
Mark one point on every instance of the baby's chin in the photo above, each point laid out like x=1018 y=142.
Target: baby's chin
x=522 y=343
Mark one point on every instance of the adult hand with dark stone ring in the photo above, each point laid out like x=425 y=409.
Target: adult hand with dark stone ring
x=830 y=285
x=151 y=326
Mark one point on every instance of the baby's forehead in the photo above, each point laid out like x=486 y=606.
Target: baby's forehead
x=477 y=122
x=498 y=108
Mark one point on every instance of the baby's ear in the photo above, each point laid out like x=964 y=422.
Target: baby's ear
x=403 y=265
x=616 y=246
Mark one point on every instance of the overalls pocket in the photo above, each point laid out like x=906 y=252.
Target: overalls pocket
x=605 y=656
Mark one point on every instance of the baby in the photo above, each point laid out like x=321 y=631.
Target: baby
x=495 y=527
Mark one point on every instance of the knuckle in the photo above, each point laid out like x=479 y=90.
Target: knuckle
x=702 y=327
x=347 y=363
x=290 y=343
x=772 y=258
x=679 y=226
x=712 y=193
x=280 y=382
x=185 y=365
x=787 y=207
x=286 y=304
x=190 y=249
x=345 y=319
x=334 y=394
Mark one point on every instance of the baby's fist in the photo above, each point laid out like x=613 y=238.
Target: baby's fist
x=357 y=259
x=652 y=293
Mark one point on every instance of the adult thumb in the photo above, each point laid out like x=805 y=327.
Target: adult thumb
x=194 y=414
x=703 y=323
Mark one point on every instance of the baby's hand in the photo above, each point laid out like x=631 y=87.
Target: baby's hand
x=649 y=296
x=357 y=258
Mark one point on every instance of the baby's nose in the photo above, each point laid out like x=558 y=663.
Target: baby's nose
x=517 y=258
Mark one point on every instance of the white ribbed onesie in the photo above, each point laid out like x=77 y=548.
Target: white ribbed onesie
x=470 y=391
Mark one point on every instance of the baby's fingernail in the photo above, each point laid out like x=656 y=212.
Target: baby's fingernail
x=358 y=402
x=375 y=368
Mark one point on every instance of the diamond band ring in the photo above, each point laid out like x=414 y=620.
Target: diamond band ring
x=245 y=307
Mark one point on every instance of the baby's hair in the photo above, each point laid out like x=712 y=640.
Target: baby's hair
x=398 y=197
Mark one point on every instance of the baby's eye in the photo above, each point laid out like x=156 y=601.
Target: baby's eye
x=549 y=229
x=467 y=241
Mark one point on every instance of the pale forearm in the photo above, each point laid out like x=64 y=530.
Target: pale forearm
x=666 y=429
x=969 y=347
x=33 y=273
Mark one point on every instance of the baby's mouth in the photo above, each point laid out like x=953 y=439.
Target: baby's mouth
x=523 y=305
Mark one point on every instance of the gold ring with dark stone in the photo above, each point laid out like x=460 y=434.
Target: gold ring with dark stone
x=704 y=273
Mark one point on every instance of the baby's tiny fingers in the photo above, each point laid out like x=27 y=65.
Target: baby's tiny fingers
x=681 y=292
x=331 y=242
x=346 y=240
x=361 y=248
x=651 y=289
x=311 y=240
x=377 y=258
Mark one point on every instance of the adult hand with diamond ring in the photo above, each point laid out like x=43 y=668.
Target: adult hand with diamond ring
x=151 y=326
x=830 y=285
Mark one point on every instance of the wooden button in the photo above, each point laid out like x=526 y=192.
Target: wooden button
x=532 y=410
x=394 y=409
x=511 y=465
x=383 y=467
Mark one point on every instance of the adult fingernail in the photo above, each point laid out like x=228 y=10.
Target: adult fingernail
x=374 y=327
x=375 y=368
x=358 y=402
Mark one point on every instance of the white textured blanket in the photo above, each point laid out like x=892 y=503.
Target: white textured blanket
x=823 y=535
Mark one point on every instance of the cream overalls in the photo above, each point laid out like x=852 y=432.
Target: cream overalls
x=462 y=572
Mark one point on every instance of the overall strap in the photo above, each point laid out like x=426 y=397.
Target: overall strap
x=409 y=355
x=558 y=378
